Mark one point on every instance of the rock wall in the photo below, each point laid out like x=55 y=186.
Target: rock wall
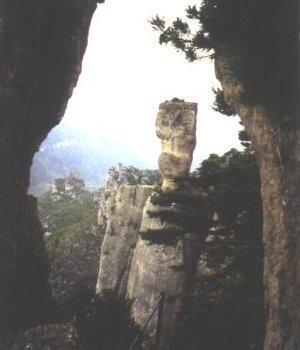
x=158 y=268
x=159 y=265
x=120 y=215
x=142 y=256
x=42 y=45
x=129 y=175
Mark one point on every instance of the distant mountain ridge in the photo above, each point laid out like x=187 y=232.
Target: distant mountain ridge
x=67 y=149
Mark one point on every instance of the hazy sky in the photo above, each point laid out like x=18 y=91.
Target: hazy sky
x=126 y=74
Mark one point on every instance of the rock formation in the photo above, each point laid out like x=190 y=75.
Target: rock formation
x=176 y=127
x=159 y=264
x=42 y=45
x=129 y=175
x=66 y=187
x=121 y=218
x=142 y=256
x=120 y=214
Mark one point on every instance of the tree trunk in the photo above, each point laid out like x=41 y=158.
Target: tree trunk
x=42 y=44
x=278 y=153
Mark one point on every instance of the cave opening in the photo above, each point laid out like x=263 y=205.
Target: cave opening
x=116 y=91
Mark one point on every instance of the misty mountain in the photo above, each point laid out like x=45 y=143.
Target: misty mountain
x=67 y=149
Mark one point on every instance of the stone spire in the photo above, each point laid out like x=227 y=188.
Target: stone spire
x=176 y=127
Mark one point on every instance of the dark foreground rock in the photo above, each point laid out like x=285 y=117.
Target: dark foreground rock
x=50 y=337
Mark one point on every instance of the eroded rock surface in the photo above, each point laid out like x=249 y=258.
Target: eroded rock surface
x=157 y=267
x=121 y=214
x=42 y=45
x=160 y=262
x=176 y=127
x=129 y=175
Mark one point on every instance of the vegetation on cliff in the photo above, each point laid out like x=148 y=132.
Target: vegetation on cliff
x=223 y=192
x=256 y=35
x=221 y=205
x=254 y=45
x=72 y=240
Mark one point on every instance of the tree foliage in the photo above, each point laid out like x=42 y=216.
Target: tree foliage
x=233 y=186
x=225 y=307
x=220 y=104
x=258 y=37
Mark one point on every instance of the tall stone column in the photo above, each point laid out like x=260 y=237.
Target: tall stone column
x=176 y=127
x=160 y=262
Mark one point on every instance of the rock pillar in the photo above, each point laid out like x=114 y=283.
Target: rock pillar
x=160 y=261
x=176 y=127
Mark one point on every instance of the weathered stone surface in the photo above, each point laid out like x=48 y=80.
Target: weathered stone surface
x=121 y=215
x=156 y=269
x=176 y=127
x=50 y=337
x=129 y=175
x=275 y=136
x=42 y=44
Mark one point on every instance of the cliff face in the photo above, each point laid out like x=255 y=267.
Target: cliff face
x=182 y=262
x=142 y=256
x=121 y=216
x=275 y=135
x=158 y=266
x=40 y=65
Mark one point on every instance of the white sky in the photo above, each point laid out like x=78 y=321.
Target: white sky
x=126 y=74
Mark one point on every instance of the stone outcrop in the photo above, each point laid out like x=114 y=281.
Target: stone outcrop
x=66 y=187
x=159 y=264
x=42 y=45
x=129 y=175
x=121 y=216
x=132 y=264
x=176 y=127
x=275 y=135
x=158 y=268
x=176 y=266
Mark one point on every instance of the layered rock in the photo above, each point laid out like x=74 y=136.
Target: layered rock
x=176 y=127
